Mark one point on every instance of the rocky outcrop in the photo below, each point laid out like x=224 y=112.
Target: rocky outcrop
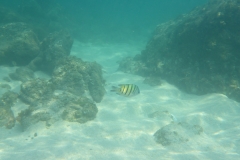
x=19 y=44
x=34 y=39
x=198 y=52
x=176 y=133
x=36 y=91
x=59 y=106
x=7 y=118
x=54 y=47
x=22 y=74
x=78 y=77
x=80 y=110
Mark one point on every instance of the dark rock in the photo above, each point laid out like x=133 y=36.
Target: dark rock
x=30 y=117
x=54 y=47
x=176 y=133
x=8 y=99
x=6 y=115
x=36 y=91
x=68 y=75
x=80 y=110
x=76 y=76
x=19 y=44
x=96 y=82
x=198 y=52
x=65 y=106
x=22 y=74
x=7 y=118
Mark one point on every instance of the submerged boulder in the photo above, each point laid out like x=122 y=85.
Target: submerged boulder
x=64 y=106
x=198 y=52
x=81 y=110
x=22 y=74
x=36 y=91
x=176 y=133
x=6 y=115
x=78 y=77
x=29 y=117
x=34 y=48
x=19 y=44
x=53 y=48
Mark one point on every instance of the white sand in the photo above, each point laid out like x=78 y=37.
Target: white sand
x=122 y=129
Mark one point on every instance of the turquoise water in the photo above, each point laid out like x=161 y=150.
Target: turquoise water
x=112 y=20
x=121 y=20
x=63 y=108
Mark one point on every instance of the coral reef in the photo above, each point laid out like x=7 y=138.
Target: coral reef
x=36 y=91
x=54 y=47
x=19 y=44
x=198 y=52
x=73 y=78
x=76 y=76
x=96 y=82
x=175 y=133
x=22 y=74
x=28 y=117
x=80 y=110
x=6 y=115
x=35 y=38
x=69 y=74
x=65 y=106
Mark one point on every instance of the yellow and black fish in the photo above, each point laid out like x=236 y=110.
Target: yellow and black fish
x=126 y=89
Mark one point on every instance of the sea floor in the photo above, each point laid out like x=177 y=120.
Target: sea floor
x=123 y=128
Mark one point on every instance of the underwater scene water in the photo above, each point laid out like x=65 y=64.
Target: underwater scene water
x=119 y=79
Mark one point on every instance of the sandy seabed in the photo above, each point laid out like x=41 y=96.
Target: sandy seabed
x=123 y=128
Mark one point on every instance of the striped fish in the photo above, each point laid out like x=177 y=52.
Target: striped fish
x=126 y=89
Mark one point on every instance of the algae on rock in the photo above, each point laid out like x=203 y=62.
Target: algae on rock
x=19 y=44
x=22 y=74
x=64 y=106
x=6 y=115
x=30 y=117
x=80 y=110
x=197 y=52
x=76 y=76
x=36 y=91
x=54 y=47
